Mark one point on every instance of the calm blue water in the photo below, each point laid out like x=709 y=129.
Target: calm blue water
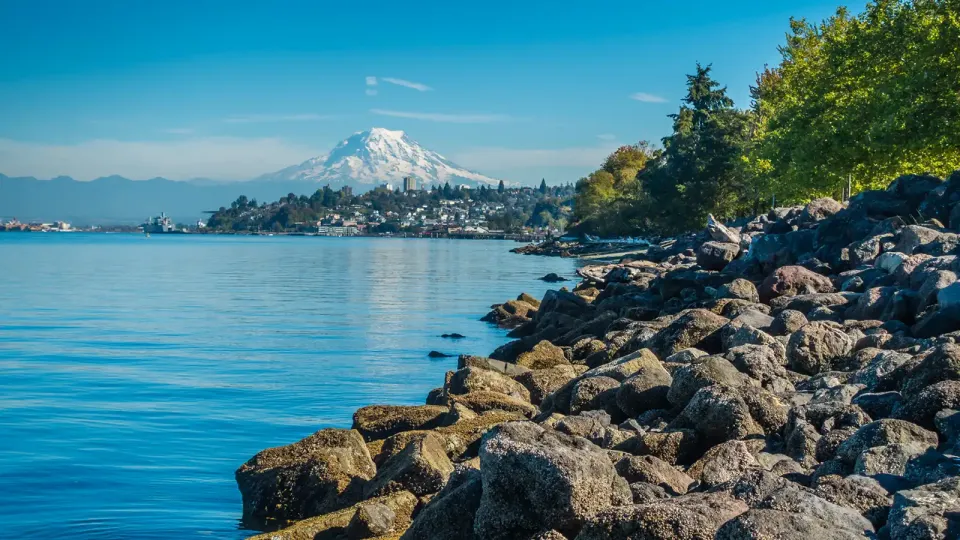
x=137 y=374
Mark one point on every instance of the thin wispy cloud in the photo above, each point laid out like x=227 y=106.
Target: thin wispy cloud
x=407 y=84
x=607 y=137
x=178 y=131
x=226 y=158
x=371 y=81
x=448 y=118
x=647 y=98
x=267 y=118
x=371 y=92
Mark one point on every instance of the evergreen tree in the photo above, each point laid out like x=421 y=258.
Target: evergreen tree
x=700 y=170
x=501 y=187
x=543 y=186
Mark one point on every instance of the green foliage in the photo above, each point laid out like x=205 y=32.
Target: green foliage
x=701 y=170
x=865 y=98
x=606 y=200
x=868 y=97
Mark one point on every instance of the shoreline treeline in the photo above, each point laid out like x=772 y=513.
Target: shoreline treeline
x=856 y=100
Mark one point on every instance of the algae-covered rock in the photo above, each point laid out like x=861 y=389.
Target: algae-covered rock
x=560 y=479
x=318 y=474
x=471 y=379
x=421 y=468
x=381 y=421
x=543 y=355
x=481 y=402
x=334 y=524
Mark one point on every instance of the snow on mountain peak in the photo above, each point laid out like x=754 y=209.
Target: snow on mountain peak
x=381 y=155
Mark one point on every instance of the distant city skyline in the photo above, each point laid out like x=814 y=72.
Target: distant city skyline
x=231 y=91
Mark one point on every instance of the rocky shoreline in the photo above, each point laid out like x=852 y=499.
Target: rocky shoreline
x=797 y=377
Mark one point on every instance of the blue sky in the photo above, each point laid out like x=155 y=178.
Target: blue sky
x=231 y=90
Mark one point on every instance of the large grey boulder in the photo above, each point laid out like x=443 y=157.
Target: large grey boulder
x=942 y=364
x=718 y=414
x=873 y=303
x=860 y=493
x=542 y=382
x=318 y=474
x=696 y=328
x=543 y=355
x=560 y=479
x=814 y=348
x=761 y=524
x=716 y=255
x=949 y=296
x=675 y=446
x=739 y=289
x=762 y=364
x=787 y=322
x=929 y=292
x=471 y=379
x=700 y=373
x=922 y=407
x=798 y=500
x=371 y=520
x=723 y=463
x=694 y=516
x=450 y=514
x=653 y=470
x=645 y=390
x=914 y=236
x=382 y=516
x=927 y=512
x=881 y=433
x=421 y=468
x=595 y=393
x=819 y=210
x=888 y=460
x=720 y=232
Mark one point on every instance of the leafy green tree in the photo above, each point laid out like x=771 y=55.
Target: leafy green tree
x=866 y=97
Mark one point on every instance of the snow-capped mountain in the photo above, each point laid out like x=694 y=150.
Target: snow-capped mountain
x=378 y=156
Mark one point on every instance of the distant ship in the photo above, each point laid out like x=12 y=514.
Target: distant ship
x=161 y=224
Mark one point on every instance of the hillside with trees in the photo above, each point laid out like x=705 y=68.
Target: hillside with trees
x=856 y=100
x=381 y=211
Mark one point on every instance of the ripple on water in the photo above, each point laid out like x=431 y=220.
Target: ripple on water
x=137 y=374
